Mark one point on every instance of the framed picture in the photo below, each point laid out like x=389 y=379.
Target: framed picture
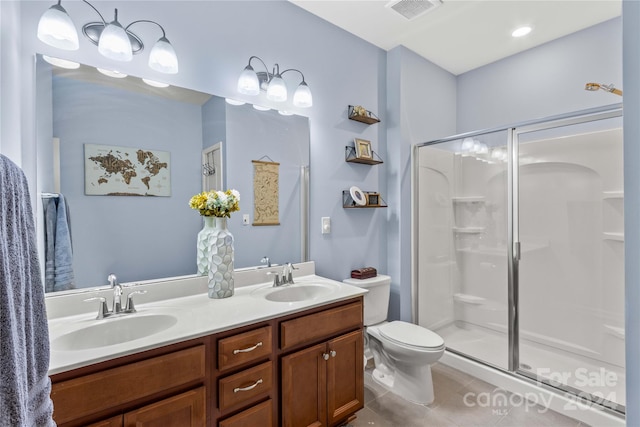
x=373 y=199
x=363 y=149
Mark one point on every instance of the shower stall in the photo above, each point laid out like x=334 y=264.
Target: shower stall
x=519 y=251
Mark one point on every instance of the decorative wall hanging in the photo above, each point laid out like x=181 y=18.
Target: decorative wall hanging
x=266 y=193
x=126 y=171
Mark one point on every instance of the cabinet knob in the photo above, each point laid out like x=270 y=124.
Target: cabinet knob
x=333 y=353
x=325 y=356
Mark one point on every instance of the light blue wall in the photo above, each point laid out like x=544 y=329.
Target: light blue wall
x=421 y=106
x=106 y=230
x=543 y=81
x=272 y=137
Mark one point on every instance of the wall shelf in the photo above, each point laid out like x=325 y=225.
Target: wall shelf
x=613 y=194
x=350 y=156
x=349 y=203
x=369 y=119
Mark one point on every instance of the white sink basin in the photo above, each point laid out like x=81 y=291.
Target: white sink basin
x=296 y=292
x=114 y=331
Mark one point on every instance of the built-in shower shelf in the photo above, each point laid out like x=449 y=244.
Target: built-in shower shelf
x=613 y=194
x=468 y=299
x=469 y=199
x=525 y=247
x=468 y=230
x=618 y=237
x=613 y=330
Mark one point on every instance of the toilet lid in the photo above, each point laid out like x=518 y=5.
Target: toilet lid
x=410 y=334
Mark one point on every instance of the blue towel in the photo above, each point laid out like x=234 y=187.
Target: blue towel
x=58 y=272
x=24 y=334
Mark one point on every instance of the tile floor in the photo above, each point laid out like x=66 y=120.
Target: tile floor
x=451 y=408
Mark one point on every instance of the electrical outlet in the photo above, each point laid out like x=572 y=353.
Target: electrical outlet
x=326 y=225
x=245 y=219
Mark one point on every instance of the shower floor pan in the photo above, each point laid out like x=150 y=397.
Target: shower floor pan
x=588 y=375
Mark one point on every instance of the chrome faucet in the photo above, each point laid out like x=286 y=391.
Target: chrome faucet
x=265 y=259
x=287 y=274
x=117 y=293
x=103 y=309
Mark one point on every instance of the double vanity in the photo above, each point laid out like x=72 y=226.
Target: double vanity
x=290 y=355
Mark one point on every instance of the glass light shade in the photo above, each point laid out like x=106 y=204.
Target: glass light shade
x=56 y=29
x=467 y=145
x=163 y=57
x=114 y=43
x=248 y=83
x=277 y=90
x=261 y=107
x=155 y=83
x=302 y=97
x=62 y=63
x=111 y=73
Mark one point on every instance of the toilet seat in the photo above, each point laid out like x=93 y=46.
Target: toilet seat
x=408 y=334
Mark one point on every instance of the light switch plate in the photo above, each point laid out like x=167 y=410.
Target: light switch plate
x=245 y=219
x=326 y=225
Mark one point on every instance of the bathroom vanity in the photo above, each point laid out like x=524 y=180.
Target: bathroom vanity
x=255 y=359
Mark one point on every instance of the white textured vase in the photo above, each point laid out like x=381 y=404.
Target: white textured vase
x=202 y=244
x=220 y=260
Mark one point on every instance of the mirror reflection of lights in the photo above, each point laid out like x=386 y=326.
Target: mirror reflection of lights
x=112 y=73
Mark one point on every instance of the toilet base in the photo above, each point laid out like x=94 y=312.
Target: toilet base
x=407 y=386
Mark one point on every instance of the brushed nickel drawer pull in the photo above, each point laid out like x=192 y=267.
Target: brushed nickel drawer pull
x=247 y=350
x=251 y=387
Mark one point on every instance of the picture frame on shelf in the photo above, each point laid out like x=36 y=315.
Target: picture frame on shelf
x=363 y=149
x=373 y=199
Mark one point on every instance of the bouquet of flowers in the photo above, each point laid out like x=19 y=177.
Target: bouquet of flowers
x=216 y=203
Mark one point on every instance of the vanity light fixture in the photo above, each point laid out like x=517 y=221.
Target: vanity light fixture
x=251 y=82
x=114 y=41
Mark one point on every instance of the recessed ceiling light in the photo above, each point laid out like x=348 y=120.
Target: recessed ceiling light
x=112 y=73
x=155 y=83
x=62 y=63
x=232 y=101
x=522 y=31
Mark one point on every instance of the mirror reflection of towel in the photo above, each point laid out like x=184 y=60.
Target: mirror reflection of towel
x=58 y=270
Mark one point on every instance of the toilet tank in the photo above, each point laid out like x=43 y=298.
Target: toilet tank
x=376 y=301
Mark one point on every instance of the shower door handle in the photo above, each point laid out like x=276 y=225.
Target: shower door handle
x=516 y=251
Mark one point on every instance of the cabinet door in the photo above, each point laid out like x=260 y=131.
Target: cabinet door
x=304 y=392
x=345 y=376
x=184 y=410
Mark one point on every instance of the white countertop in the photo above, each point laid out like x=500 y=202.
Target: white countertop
x=197 y=315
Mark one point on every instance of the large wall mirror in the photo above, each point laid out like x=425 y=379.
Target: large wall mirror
x=149 y=237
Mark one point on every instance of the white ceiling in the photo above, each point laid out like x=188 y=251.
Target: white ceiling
x=461 y=35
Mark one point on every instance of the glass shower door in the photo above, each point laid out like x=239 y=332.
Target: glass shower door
x=570 y=282
x=462 y=244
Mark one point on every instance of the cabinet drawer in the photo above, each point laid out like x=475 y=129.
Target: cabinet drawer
x=320 y=325
x=103 y=390
x=260 y=415
x=244 y=348
x=244 y=386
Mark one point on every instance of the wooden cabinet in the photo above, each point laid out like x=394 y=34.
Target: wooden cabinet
x=322 y=384
x=308 y=365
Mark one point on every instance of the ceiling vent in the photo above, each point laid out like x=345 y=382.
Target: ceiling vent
x=411 y=9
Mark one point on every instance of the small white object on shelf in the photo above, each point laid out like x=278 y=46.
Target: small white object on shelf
x=358 y=196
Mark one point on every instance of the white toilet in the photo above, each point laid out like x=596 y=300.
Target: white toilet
x=402 y=352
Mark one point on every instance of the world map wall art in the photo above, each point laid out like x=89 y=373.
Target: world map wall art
x=126 y=171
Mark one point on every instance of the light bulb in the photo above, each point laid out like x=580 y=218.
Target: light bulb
x=248 y=83
x=277 y=90
x=56 y=29
x=302 y=96
x=163 y=57
x=467 y=145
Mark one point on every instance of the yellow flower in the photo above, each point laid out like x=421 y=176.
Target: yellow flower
x=216 y=203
